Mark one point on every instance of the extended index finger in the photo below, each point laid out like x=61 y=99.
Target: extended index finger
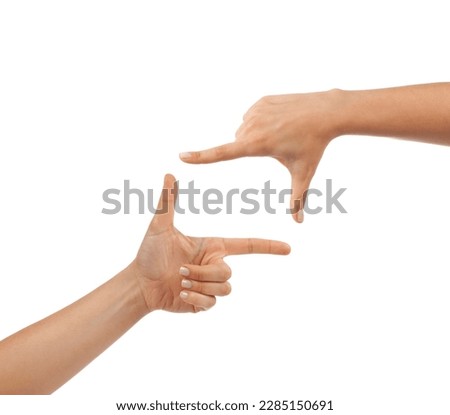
x=211 y=155
x=238 y=246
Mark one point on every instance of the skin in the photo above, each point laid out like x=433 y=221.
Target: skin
x=171 y=272
x=296 y=129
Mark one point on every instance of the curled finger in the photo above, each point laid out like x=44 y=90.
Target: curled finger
x=200 y=302
x=208 y=288
x=217 y=272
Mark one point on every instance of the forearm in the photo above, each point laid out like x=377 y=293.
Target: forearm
x=418 y=112
x=43 y=356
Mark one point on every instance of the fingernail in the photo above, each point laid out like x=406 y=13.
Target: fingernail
x=300 y=216
x=186 y=155
x=186 y=284
x=184 y=295
x=184 y=271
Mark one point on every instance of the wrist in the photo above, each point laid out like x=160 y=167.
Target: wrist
x=146 y=295
x=138 y=290
x=359 y=112
x=339 y=113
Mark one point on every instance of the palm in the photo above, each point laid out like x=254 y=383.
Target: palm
x=159 y=260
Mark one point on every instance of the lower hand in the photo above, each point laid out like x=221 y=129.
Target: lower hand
x=185 y=274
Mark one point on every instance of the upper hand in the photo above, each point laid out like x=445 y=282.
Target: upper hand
x=294 y=129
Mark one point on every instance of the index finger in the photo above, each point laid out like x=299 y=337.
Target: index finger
x=238 y=246
x=211 y=155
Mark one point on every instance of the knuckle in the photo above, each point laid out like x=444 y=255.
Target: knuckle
x=263 y=145
x=199 y=275
x=193 y=273
x=252 y=123
x=264 y=100
x=196 y=155
x=226 y=272
x=198 y=286
x=220 y=151
x=226 y=290
x=250 y=245
x=211 y=302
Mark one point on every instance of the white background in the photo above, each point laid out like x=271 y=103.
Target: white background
x=96 y=92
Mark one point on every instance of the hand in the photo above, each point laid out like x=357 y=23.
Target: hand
x=294 y=129
x=184 y=274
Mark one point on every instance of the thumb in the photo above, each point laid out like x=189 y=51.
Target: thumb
x=300 y=184
x=224 y=152
x=164 y=215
